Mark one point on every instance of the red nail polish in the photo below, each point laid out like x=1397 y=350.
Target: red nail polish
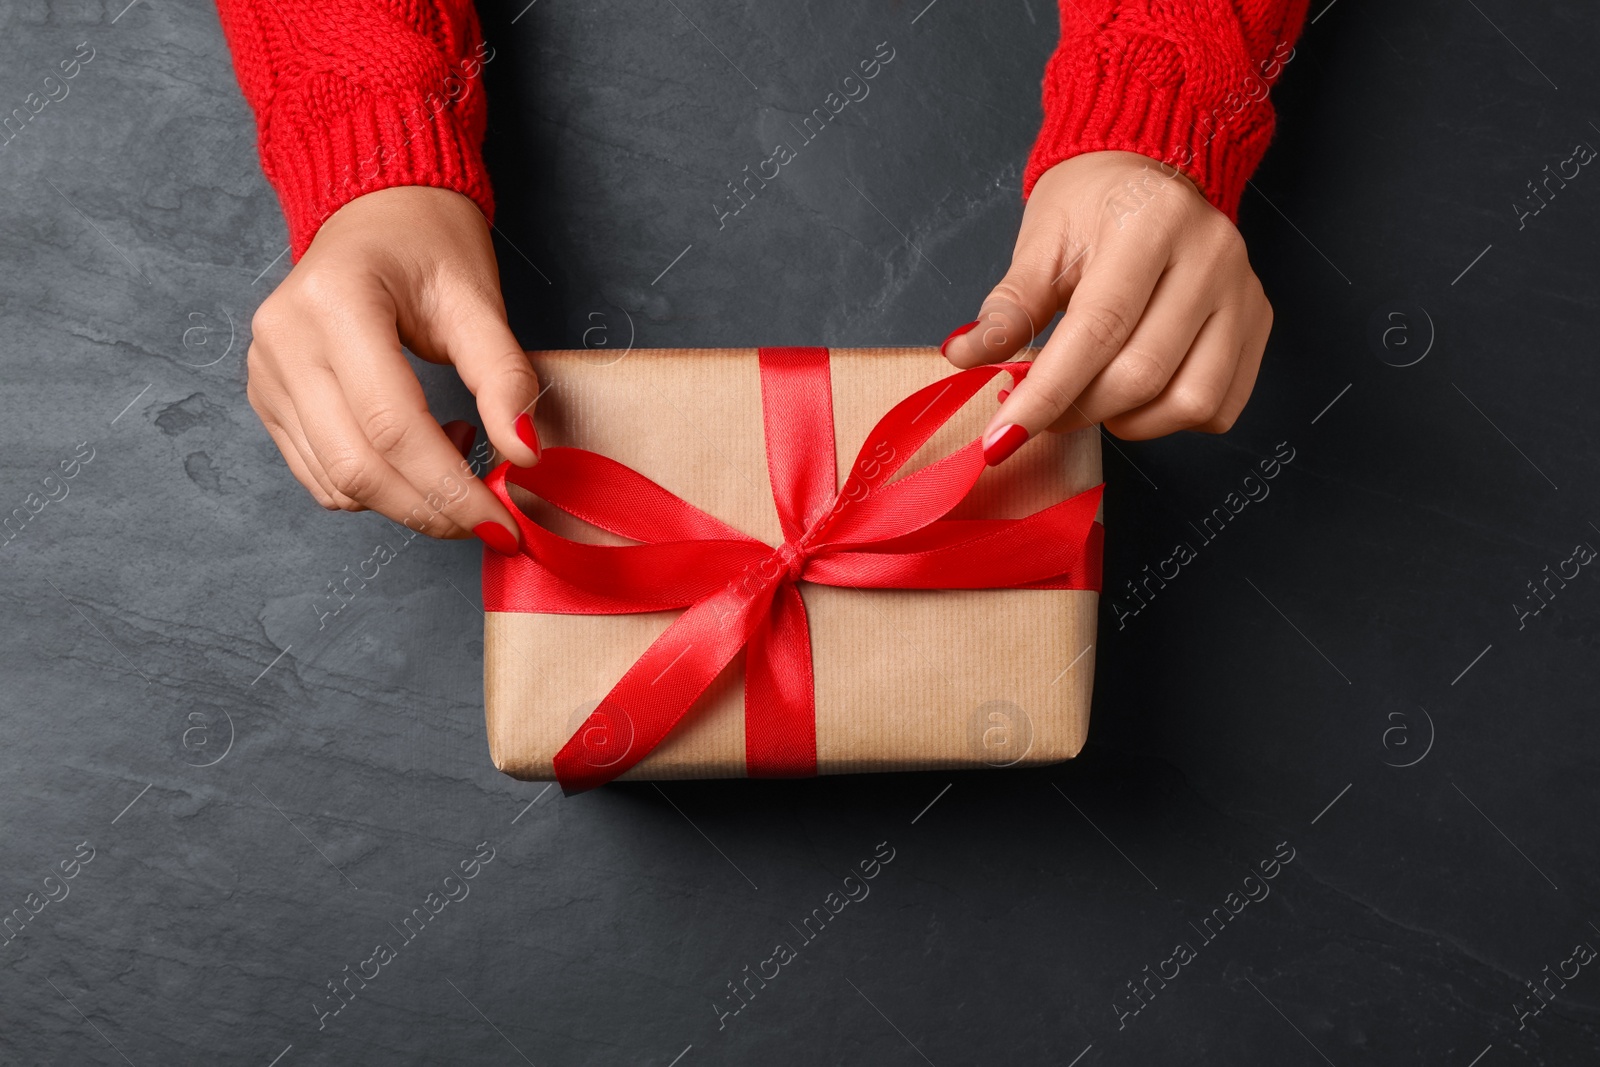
x=461 y=434
x=528 y=435
x=957 y=332
x=496 y=537
x=1002 y=443
x=1003 y=394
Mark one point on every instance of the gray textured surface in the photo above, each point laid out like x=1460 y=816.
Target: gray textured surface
x=1328 y=631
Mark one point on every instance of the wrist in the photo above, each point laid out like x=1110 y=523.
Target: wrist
x=1123 y=160
x=1122 y=182
x=397 y=203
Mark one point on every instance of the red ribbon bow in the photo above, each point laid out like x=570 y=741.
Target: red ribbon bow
x=739 y=592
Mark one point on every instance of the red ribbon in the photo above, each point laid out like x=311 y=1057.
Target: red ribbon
x=739 y=592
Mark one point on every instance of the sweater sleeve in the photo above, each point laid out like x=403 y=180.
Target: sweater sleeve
x=1182 y=81
x=360 y=95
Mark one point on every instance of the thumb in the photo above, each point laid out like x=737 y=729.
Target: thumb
x=1013 y=315
x=496 y=370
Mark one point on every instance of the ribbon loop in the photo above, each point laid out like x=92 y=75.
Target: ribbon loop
x=741 y=594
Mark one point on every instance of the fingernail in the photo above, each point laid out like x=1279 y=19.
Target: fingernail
x=957 y=332
x=528 y=435
x=461 y=434
x=496 y=537
x=1002 y=442
x=1004 y=392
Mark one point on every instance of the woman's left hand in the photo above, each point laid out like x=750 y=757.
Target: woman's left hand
x=1164 y=323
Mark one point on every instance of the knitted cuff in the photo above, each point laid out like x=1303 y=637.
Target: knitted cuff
x=330 y=141
x=1202 y=110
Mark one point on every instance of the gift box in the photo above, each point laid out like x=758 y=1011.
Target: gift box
x=783 y=562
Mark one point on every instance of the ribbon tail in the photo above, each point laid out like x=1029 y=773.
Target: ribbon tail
x=658 y=690
x=780 y=708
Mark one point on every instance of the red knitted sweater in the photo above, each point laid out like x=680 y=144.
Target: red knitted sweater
x=351 y=96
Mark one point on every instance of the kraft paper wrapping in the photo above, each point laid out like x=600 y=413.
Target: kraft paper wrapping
x=905 y=680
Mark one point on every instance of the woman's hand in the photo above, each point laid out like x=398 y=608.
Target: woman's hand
x=1165 y=322
x=407 y=265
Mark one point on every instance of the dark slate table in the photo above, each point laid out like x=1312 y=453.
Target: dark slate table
x=1347 y=687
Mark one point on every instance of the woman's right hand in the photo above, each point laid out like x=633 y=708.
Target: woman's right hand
x=408 y=265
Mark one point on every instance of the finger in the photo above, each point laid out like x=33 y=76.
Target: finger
x=1244 y=377
x=276 y=413
x=298 y=468
x=1196 y=392
x=496 y=370
x=1012 y=316
x=1141 y=369
x=388 y=403
x=352 y=464
x=1106 y=305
